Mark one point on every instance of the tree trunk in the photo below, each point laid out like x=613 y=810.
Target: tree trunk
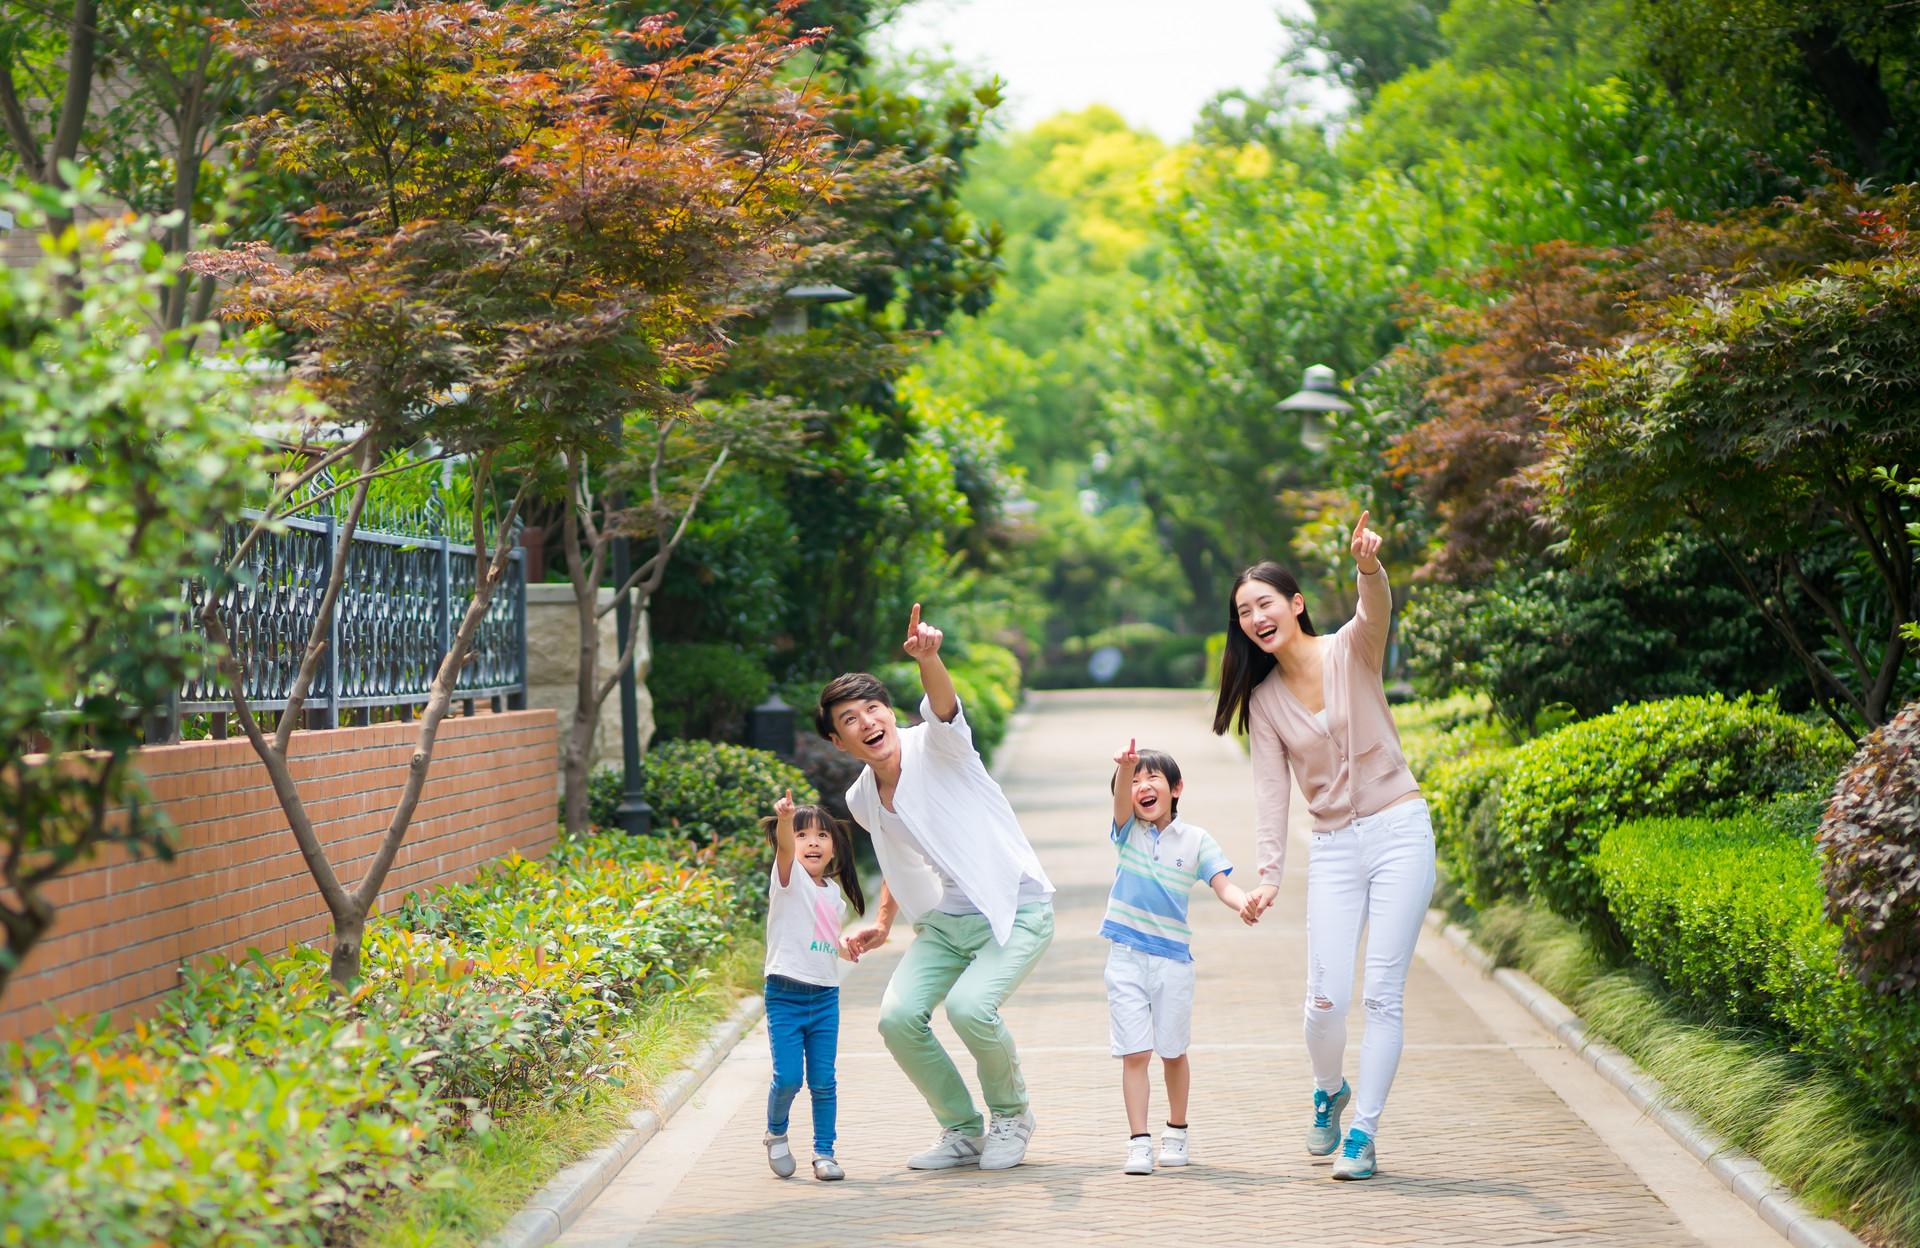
x=343 y=965
x=577 y=768
x=1851 y=89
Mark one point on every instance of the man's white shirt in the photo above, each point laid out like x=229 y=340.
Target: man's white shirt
x=960 y=825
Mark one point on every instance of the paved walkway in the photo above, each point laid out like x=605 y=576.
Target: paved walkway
x=1493 y=1135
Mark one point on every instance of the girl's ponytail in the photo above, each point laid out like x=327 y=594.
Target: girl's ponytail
x=846 y=870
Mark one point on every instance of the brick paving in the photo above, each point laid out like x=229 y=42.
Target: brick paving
x=1475 y=1148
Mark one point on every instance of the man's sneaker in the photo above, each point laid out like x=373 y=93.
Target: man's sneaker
x=827 y=1170
x=1140 y=1155
x=1356 y=1157
x=1173 y=1146
x=779 y=1156
x=956 y=1148
x=1007 y=1138
x=1324 y=1135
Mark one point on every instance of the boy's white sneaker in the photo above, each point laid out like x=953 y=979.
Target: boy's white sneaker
x=1007 y=1138
x=956 y=1148
x=1173 y=1146
x=780 y=1156
x=1140 y=1155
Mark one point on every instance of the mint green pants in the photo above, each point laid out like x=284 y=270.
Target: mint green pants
x=953 y=958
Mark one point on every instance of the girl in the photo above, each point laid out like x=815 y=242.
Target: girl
x=805 y=911
x=1315 y=707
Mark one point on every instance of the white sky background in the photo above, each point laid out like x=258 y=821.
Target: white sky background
x=1155 y=61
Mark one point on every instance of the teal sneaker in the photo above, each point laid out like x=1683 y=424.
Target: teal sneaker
x=1324 y=1135
x=1356 y=1157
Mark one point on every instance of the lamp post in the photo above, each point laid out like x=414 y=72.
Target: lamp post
x=1316 y=400
x=634 y=815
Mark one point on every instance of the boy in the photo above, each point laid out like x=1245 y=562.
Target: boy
x=956 y=863
x=1150 y=965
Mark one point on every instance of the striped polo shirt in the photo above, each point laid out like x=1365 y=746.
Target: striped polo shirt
x=1147 y=909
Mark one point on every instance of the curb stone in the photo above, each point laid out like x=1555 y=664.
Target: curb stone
x=555 y=1207
x=1742 y=1173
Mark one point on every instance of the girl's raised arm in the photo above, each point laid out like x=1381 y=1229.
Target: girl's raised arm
x=783 y=838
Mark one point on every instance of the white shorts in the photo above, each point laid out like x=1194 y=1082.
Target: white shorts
x=1149 y=1002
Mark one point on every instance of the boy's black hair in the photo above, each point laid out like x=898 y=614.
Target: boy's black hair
x=1153 y=760
x=848 y=687
x=843 y=867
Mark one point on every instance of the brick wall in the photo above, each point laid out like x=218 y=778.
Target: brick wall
x=237 y=879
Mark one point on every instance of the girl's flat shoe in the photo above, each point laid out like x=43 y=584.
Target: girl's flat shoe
x=827 y=1170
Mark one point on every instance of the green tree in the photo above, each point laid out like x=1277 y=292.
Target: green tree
x=120 y=458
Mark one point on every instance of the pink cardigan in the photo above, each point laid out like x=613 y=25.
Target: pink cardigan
x=1351 y=768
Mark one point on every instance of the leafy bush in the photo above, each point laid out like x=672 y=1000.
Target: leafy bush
x=1465 y=795
x=1150 y=656
x=1684 y=756
x=1729 y=912
x=705 y=689
x=1870 y=855
x=260 y=1108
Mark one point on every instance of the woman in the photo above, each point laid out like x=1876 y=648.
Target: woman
x=1315 y=706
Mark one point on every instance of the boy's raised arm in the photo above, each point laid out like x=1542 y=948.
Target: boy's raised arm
x=1124 y=764
x=923 y=647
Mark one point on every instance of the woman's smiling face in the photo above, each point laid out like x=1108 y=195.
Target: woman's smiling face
x=1269 y=618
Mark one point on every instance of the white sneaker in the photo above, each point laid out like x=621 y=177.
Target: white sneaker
x=1140 y=1155
x=1173 y=1146
x=780 y=1156
x=956 y=1148
x=1007 y=1141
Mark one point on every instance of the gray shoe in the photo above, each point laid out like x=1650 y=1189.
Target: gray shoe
x=1007 y=1141
x=956 y=1148
x=1324 y=1135
x=827 y=1170
x=1356 y=1157
x=779 y=1156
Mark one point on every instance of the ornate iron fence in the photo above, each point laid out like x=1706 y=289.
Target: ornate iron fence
x=404 y=595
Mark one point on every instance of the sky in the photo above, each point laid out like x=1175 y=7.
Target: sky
x=1155 y=61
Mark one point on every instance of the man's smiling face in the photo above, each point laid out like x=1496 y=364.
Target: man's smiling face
x=866 y=730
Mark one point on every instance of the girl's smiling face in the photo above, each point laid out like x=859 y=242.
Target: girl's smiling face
x=813 y=849
x=1153 y=797
x=1270 y=619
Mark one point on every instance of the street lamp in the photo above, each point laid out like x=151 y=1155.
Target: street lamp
x=1316 y=400
x=790 y=314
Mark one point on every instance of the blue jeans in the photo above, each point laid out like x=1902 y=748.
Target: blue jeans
x=803 y=1026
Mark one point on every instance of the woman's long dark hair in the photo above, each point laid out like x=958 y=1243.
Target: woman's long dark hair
x=842 y=868
x=1244 y=665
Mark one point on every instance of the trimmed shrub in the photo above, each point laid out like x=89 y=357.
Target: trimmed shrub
x=260 y=1108
x=704 y=690
x=1465 y=794
x=1730 y=914
x=1870 y=856
x=1683 y=756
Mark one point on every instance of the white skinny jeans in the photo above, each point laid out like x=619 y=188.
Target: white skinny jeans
x=1376 y=875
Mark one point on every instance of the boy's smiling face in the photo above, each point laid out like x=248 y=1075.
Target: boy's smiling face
x=866 y=731
x=1153 y=797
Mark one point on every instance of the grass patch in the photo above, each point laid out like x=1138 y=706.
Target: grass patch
x=1807 y=1123
x=499 y=1169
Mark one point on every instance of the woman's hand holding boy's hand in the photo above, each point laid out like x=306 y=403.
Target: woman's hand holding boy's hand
x=1257 y=903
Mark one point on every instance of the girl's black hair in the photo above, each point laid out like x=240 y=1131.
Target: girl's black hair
x=1244 y=665
x=842 y=868
x=1153 y=760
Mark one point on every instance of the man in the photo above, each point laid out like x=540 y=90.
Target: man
x=956 y=863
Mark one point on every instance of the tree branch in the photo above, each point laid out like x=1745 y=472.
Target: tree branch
x=336 y=581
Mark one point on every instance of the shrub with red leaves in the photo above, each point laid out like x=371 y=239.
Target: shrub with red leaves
x=1870 y=856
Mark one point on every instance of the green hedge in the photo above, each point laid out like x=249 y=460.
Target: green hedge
x=1465 y=794
x=1683 y=756
x=258 y=1108
x=1730 y=914
x=704 y=689
x=1151 y=656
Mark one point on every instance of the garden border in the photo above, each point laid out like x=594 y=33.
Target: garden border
x=1743 y=1174
x=558 y=1205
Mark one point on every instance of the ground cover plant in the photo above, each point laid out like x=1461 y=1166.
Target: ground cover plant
x=259 y=1106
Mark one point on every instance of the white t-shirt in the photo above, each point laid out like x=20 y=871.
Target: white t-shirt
x=953 y=898
x=803 y=927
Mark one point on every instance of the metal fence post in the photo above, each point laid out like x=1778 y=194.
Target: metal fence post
x=518 y=701
x=330 y=715
x=444 y=638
